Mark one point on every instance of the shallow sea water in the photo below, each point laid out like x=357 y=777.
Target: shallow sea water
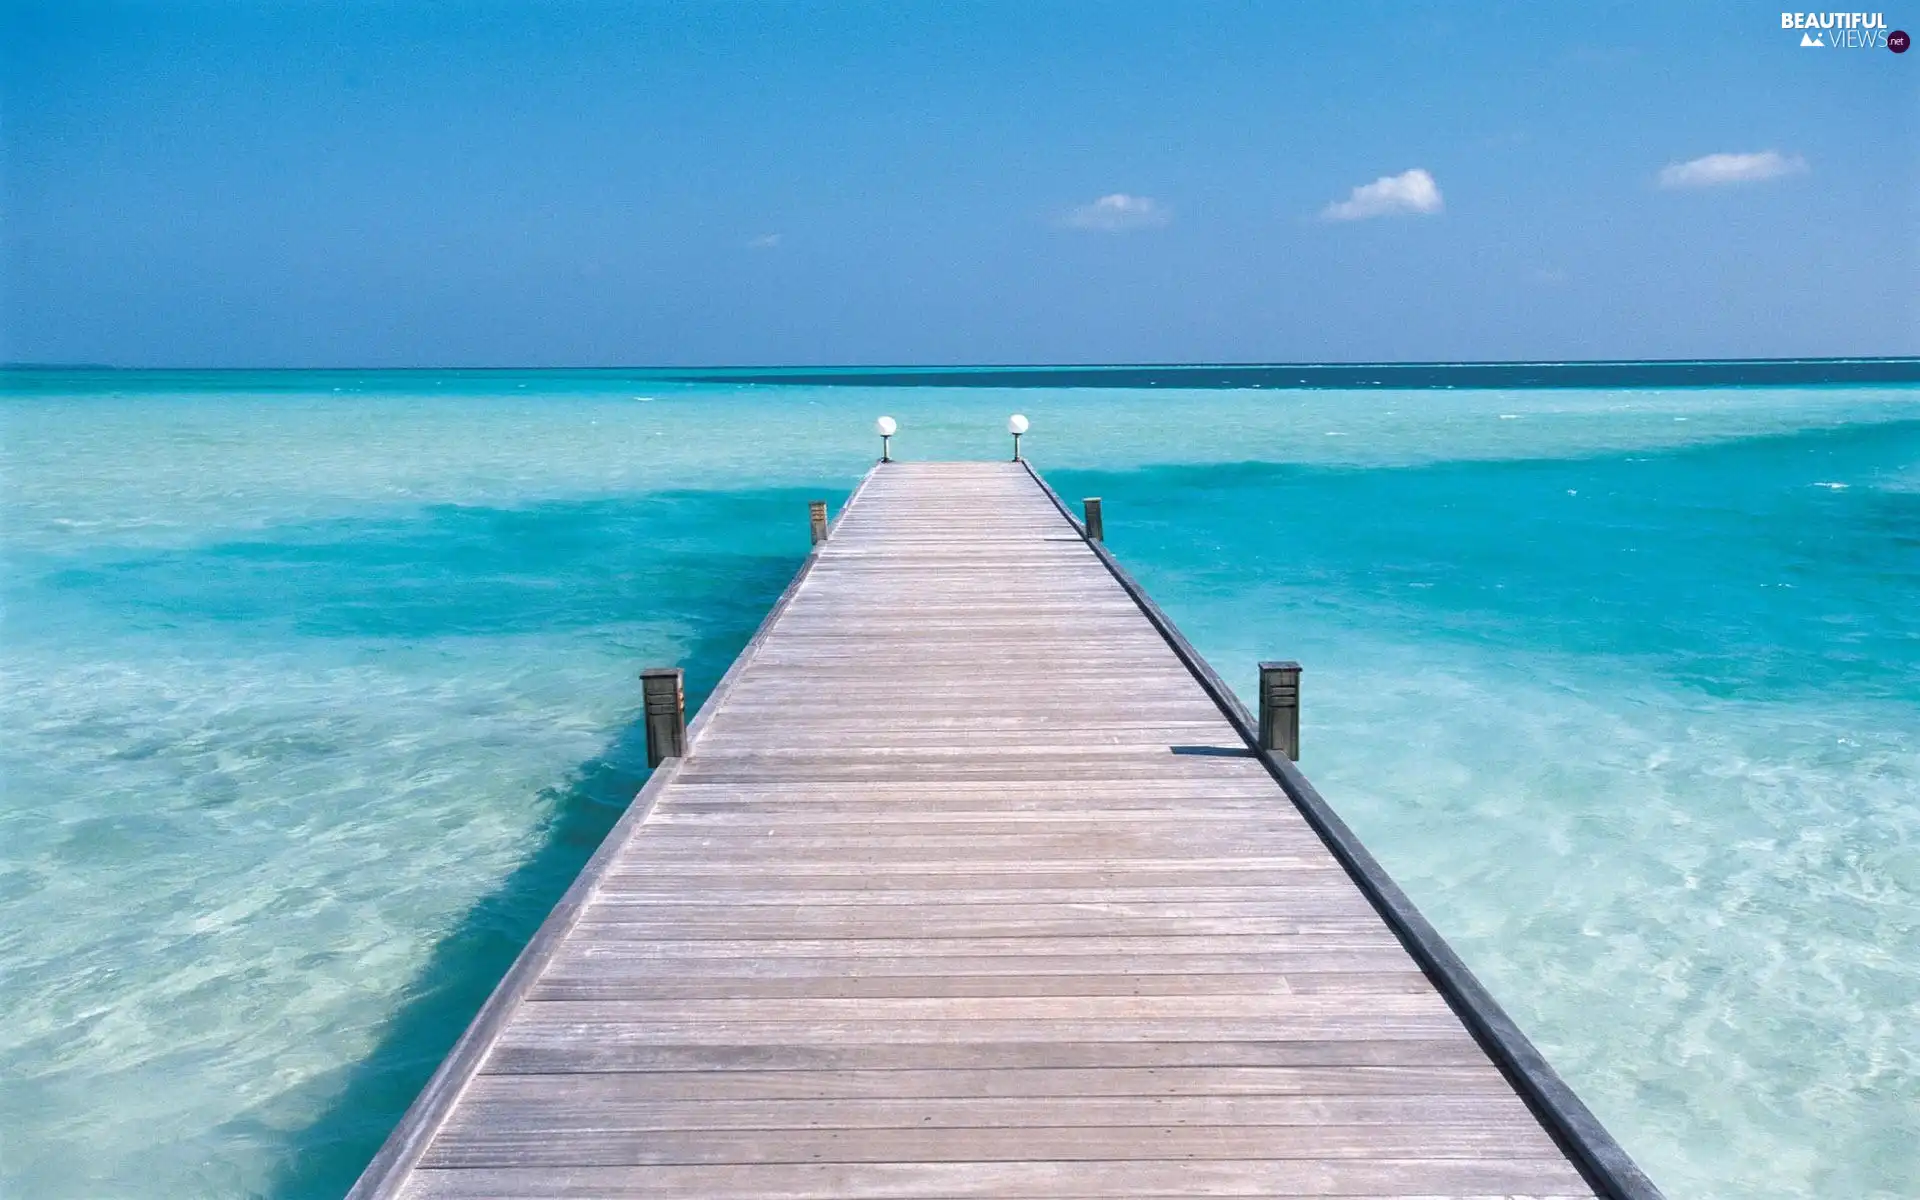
x=317 y=688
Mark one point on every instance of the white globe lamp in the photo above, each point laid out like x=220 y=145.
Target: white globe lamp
x=1016 y=425
x=885 y=427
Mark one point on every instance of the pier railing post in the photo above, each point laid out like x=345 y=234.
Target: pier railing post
x=817 y=512
x=1280 y=708
x=1096 y=530
x=664 y=700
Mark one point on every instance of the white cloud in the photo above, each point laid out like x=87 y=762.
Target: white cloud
x=1118 y=213
x=765 y=241
x=1409 y=193
x=1718 y=170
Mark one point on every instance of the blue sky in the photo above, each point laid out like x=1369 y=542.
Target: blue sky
x=364 y=184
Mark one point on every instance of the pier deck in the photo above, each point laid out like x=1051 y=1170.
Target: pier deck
x=968 y=886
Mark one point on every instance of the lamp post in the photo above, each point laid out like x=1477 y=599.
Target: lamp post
x=1016 y=425
x=885 y=427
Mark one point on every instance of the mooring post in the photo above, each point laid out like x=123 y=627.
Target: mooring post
x=1280 y=708
x=1096 y=531
x=817 y=511
x=663 y=697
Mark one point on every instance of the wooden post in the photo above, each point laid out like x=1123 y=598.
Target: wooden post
x=1096 y=531
x=664 y=699
x=817 y=511
x=1280 y=708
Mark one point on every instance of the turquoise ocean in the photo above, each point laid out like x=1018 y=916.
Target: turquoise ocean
x=316 y=689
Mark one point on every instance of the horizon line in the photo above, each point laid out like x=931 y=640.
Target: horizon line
x=1245 y=364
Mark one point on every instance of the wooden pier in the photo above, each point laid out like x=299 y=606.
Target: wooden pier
x=974 y=881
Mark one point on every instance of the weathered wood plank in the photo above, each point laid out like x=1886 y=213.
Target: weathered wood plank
x=639 y=891
x=1035 y=1082
x=652 y=982
x=539 y=1026
x=1280 y=1010
x=509 y=1144
x=1054 y=932
x=1491 y=1179
x=564 y=1056
x=670 y=963
x=767 y=879
x=1124 y=952
x=633 y=1103
x=933 y=913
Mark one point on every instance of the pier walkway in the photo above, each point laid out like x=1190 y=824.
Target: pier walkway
x=971 y=883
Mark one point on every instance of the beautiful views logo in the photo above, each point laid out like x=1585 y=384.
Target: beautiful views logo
x=1844 y=30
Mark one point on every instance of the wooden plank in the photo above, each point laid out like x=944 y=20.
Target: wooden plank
x=669 y=963
x=1490 y=1179
x=1053 y=931
x=659 y=981
x=633 y=1103
x=1280 y=1010
x=1033 y=1082
x=764 y=879
x=1125 y=951
x=510 y=1143
x=906 y=914
x=783 y=1052
x=835 y=874
x=967 y=886
x=539 y=1026
x=631 y=891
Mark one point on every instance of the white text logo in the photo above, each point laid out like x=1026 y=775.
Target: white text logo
x=1838 y=30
